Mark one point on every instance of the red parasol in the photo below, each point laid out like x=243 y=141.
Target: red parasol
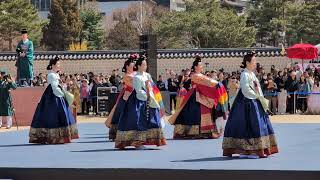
x=302 y=51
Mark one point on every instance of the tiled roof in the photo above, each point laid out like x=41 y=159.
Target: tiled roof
x=162 y=54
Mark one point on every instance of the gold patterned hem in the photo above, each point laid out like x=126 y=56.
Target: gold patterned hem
x=138 y=138
x=252 y=144
x=53 y=135
x=193 y=132
x=113 y=132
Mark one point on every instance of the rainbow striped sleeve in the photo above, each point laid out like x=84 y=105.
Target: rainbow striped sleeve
x=158 y=97
x=223 y=98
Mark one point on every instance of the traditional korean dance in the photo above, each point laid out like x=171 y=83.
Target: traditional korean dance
x=248 y=130
x=195 y=117
x=140 y=122
x=120 y=106
x=53 y=122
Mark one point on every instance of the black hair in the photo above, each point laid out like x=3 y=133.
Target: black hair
x=195 y=63
x=130 y=60
x=53 y=62
x=247 y=58
x=139 y=61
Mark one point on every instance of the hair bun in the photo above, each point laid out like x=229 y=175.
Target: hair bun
x=198 y=58
x=49 y=67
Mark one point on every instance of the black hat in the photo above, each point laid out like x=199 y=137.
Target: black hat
x=24 y=31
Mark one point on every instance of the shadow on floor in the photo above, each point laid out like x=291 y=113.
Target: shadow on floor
x=209 y=159
x=26 y=145
x=95 y=137
x=101 y=134
x=88 y=142
x=127 y=149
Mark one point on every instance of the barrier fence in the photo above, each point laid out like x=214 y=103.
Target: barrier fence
x=295 y=96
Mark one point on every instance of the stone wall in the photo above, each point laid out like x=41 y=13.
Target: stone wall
x=176 y=64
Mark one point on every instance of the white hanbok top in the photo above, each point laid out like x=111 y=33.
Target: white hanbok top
x=139 y=85
x=53 y=80
x=250 y=85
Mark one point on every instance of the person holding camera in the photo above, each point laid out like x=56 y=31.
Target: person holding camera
x=24 y=63
x=6 y=109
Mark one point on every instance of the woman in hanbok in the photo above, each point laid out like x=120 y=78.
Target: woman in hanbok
x=119 y=107
x=140 y=122
x=195 y=118
x=53 y=122
x=181 y=92
x=314 y=99
x=248 y=130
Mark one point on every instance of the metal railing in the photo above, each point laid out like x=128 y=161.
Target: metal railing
x=295 y=97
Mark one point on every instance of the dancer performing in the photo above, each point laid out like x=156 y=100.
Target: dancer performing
x=248 y=130
x=119 y=107
x=53 y=122
x=195 y=117
x=140 y=122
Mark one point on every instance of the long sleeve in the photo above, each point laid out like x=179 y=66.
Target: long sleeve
x=203 y=80
x=12 y=85
x=53 y=80
x=30 y=52
x=139 y=86
x=245 y=83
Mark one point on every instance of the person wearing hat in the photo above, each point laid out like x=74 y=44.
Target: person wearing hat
x=6 y=109
x=24 y=63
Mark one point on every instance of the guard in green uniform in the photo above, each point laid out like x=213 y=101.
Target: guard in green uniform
x=6 y=109
x=24 y=62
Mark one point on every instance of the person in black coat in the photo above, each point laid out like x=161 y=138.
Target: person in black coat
x=173 y=87
x=291 y=86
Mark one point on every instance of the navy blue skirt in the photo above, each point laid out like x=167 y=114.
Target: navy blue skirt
x=248 y=129
x=137 y=126
x=188 y=122
x=53 y=121
x=190 y=113
x=120 y=107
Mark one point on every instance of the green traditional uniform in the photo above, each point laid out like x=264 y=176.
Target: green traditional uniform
x=25 y=61
x=5 y=98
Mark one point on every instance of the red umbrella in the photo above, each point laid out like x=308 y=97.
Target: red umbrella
x=302 y=51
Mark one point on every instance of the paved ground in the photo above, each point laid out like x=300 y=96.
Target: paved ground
x=288 y=119
x=298 y=144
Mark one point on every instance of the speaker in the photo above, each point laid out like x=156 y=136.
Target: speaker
x=148 y=43
x=106 y=99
